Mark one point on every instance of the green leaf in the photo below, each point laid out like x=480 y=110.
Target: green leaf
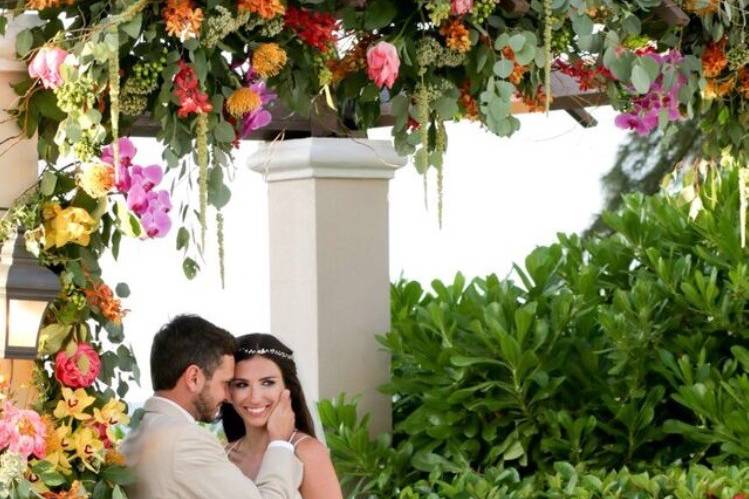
x=51 y=338
x=122 y=290
x=183 y=238
x=640 y=79
x=582 y=24
x=117 y=493
x=190 y=267
x=503 y=68
x=48 y=183
x=224 y=132
x=132 y=27
x=517 y=42
x=447 y=108
x=24 y=42
x=379 y=14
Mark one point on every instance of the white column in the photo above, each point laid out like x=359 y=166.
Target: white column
x=329 y=269
x=18 y=171
x=18 y=166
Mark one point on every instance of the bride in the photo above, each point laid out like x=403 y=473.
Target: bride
x=264 y=369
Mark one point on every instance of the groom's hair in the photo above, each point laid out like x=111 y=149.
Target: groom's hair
x=184 y=341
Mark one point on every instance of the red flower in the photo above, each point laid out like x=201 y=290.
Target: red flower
x=80 y=369
x=313 y=28
x=588 y=76
x=187 y=90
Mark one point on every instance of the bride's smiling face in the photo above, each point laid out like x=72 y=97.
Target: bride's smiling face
x=256 y=389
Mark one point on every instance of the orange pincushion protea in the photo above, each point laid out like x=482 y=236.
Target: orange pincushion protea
x=267 y=9
x=719 y=88
x=268 y=59
x=517 y=71
x=101 y=297
x=698 y=6
x=456 y=36
x=743 y=84
x=47 y=4
x=181 y=19
x=468 y=102
x=242 y=101
x=536 y=103
x=714 y=58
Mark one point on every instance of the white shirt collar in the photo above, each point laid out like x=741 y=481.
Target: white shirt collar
x=175 y=404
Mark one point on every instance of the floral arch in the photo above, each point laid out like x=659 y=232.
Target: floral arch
x=206 y=74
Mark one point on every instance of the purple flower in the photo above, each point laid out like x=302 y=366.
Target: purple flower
x=155 y=219
x=260 y=117
x=137 y=183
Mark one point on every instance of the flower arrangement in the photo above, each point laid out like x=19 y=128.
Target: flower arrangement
x=210 y=73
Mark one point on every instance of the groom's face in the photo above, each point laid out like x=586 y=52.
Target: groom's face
x=215 y=391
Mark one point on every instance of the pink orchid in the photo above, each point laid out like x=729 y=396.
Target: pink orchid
x=137 y=182
x=460 y=7
x=46 y=66
x=383 y=64
x=261 y=117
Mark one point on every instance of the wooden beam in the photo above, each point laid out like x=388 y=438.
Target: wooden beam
x=583 y=117
x=671 y=13
x=326 y=122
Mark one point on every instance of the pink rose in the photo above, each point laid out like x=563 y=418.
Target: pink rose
x=460 y=7
x=383 y=64
x=80 y=369
x=46 y=65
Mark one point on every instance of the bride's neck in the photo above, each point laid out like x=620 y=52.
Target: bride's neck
x=256 y=439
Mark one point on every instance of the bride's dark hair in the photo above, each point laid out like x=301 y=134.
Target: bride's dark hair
x=232 y=422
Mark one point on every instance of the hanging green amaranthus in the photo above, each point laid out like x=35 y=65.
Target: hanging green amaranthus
x=202 y=145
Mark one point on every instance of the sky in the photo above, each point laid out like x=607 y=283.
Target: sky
x=502 y=198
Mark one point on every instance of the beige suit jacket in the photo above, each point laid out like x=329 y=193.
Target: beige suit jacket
x=174 y=458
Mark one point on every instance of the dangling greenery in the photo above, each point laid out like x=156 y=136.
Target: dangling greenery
x=220 y=241
x=547 y=54
x=202 y=146
x=440 y=145
x=114 y=97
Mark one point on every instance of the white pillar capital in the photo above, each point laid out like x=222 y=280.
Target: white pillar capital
x=318 y=157
x=18 y=168
x=329 y=268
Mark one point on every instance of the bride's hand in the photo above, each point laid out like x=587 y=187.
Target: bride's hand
x=281 y=420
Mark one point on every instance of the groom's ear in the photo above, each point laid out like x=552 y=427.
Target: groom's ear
x=194 y=378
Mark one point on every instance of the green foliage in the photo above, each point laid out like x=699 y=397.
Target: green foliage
x=626 y=352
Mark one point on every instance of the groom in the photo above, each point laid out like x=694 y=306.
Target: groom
x=192 y=362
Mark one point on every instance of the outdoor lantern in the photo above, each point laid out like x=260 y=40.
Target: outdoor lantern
x=26 y=288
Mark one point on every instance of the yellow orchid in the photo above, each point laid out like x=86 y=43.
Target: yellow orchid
x=88 y=447
x=74 y=404
x=69 y=225
x=76 y=491
x=112 y=413
x=58 y=446
x=114 y=457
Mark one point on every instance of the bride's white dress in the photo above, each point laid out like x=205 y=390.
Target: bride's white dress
x=300 y=475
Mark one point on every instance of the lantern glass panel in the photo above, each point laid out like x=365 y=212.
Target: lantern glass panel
x=25 y=317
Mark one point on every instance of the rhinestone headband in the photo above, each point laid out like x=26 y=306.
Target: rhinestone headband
x=266 y=351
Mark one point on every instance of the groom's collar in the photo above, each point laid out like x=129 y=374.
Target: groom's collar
x=160 y=404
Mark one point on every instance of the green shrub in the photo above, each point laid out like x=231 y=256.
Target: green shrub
x=373 y=469
x=623 y=350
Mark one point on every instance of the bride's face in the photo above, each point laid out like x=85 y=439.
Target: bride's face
x=256 y=389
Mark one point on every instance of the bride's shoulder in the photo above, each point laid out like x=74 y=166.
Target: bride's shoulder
x=308 y=448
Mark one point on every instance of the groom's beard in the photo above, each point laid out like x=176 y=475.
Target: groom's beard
x=207 y=412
